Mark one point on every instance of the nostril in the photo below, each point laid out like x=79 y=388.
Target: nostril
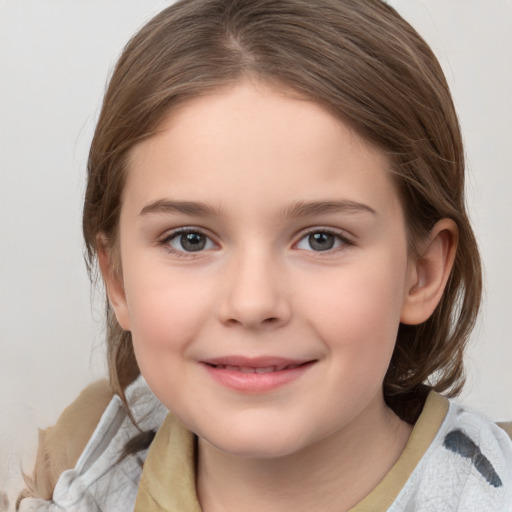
x=270 y=322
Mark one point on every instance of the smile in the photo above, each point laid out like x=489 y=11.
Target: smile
x=251 y=369
x=256 y=376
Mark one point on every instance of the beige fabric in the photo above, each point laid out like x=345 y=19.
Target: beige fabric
x=422 y=435
x=168 y=478
x=60 y=446
x=170 y=459
x=507 y=427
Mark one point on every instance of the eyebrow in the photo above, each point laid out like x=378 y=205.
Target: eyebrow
x=304 y=209
x=294 y=210
x=185 y=207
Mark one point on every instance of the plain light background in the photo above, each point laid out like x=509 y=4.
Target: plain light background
x=55 y=56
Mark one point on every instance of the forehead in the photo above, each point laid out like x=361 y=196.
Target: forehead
x=256 y=143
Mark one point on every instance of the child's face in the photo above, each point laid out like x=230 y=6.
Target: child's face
x=259 y=234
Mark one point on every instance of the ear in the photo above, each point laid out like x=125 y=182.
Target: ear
x=110 y=266
x=429 y=272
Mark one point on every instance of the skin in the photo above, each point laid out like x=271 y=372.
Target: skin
x=250 y=156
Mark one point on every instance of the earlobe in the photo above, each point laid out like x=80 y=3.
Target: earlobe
x=429 y=273
x=112 y=277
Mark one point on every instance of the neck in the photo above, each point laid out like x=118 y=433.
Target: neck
x=333 y=474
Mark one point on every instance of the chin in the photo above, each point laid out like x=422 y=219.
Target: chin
x=260 y=445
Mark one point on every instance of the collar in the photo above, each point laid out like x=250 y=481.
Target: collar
x=168 y=478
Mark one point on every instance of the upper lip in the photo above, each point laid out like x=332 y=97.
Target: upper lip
x=255 y=362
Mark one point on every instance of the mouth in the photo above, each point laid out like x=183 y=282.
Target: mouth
x=256 y=369
x=256 y=375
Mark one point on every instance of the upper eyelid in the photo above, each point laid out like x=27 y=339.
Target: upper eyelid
x=171 y=233
x=341 y=233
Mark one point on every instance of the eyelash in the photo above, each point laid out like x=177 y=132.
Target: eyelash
x=166 y=241
x=340 y=239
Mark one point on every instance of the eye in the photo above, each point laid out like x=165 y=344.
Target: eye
x=189 y=241
x=320 y=241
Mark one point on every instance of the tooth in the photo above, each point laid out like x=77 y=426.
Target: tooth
x=266 y=370
x=248 y=369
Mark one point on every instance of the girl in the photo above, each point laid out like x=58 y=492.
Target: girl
x=275 y=200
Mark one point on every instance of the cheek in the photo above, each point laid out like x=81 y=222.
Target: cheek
x=166 y=314
x=166 y=308
x=357 y=311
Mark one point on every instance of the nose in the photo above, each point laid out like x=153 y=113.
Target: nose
x=255 y=296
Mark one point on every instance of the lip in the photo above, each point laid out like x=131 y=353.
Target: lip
x=256 y=375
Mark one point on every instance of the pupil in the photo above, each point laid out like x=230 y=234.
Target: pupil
x=193 y=241
x=321 y=241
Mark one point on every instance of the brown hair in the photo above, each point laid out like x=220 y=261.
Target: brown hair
x=363 y=62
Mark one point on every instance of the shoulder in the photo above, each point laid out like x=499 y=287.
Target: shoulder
x=481 y=444
x=468 y=466
x=101 y=479
x=61 y=445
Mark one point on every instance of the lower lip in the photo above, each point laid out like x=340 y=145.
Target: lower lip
x=256 y=382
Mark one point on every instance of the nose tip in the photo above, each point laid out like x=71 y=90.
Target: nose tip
x=255 y=313
x=254 y=320
x=255 y=298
